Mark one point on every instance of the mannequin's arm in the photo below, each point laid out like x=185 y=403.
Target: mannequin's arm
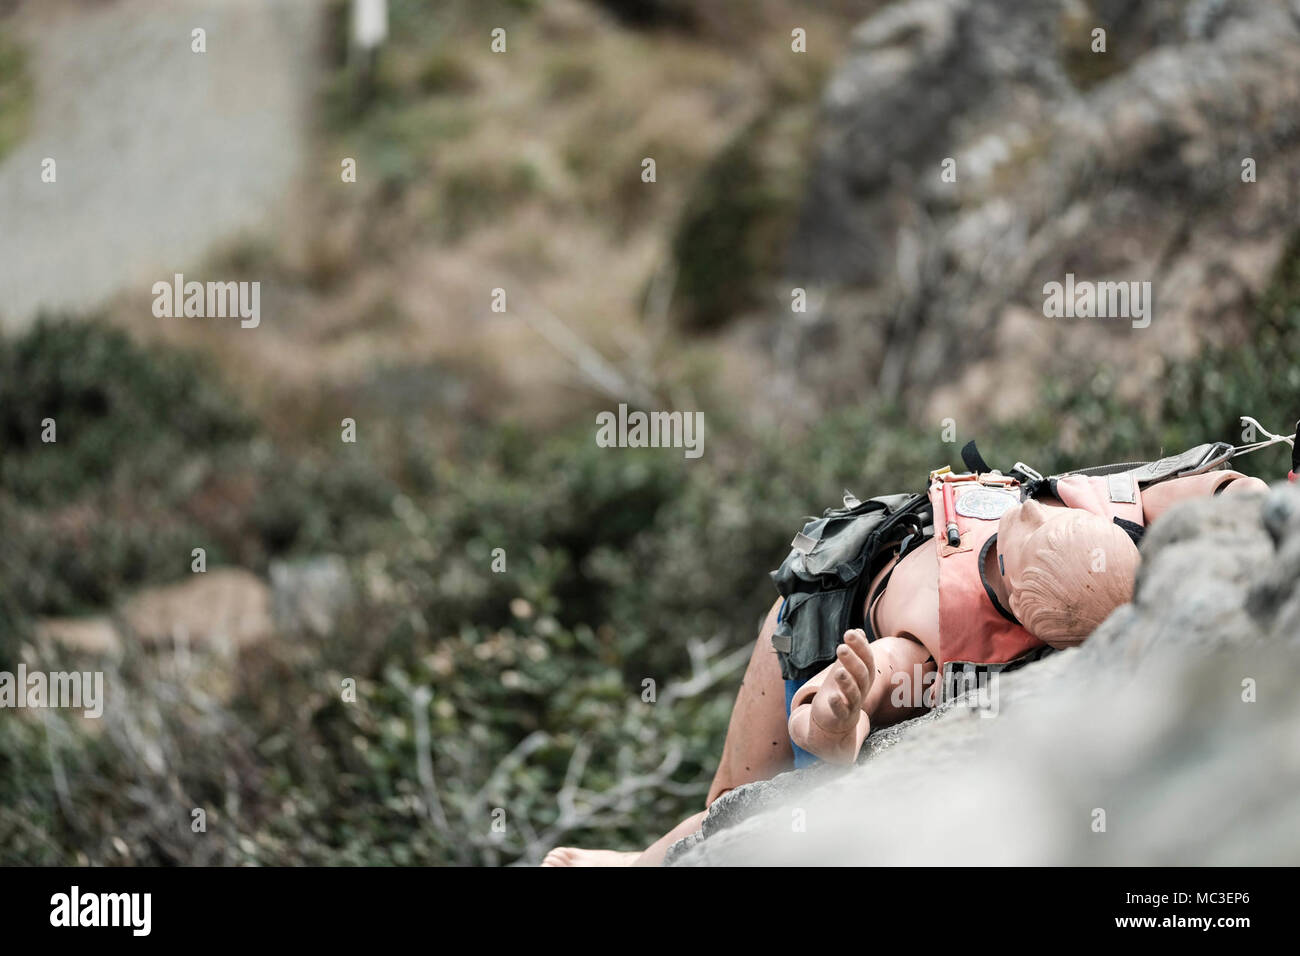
x=840 y=742
x=1158 y=499
x=869 y=684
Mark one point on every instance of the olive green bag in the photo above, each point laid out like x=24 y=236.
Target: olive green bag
x=825 y=577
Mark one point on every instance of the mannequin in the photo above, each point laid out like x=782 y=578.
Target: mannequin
x=1042 y=573
x=1061 y=571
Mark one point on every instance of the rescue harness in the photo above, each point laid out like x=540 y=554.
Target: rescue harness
x=833 y=559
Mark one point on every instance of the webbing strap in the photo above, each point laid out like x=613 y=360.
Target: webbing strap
x=1212 y=456
x=974 y=461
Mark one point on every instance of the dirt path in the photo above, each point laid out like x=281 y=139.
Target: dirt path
x=161 y=152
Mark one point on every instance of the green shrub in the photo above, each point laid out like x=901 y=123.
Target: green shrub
x=111 y=402
x=616 y=562
x=730 y=245
x=152 y=457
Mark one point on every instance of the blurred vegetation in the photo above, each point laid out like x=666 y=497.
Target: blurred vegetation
x=615 y=561
x=605 y=583
x=151 y=458
x=449 y=149
x=1256 y=373
x=730 y=247
x=15 y=94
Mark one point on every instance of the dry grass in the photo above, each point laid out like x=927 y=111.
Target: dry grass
x=520 y=171
x=15 y=94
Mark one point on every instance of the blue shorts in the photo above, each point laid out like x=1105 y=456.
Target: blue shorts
x=802 y=758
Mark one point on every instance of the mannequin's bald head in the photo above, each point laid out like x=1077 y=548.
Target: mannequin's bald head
x=1065 y=570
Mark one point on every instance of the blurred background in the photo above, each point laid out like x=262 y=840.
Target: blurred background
x=514 y=695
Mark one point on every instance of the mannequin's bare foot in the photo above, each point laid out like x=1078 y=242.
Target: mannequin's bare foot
x=572 y=856
x=838 y=703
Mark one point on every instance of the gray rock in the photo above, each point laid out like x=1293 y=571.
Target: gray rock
x=228 y=607
x=1123 y=165
x=310 y=594
x=1176 y=726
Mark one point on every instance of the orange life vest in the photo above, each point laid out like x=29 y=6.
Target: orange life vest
x=972 y=627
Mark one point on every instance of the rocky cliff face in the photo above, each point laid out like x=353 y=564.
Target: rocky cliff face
x=1128 y=164
x=1172 y=736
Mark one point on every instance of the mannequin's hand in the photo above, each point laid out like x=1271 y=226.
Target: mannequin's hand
x=838 y=702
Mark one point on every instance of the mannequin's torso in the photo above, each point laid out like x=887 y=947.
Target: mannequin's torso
x=909 y=605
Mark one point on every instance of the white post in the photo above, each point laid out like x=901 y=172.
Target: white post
x=369 y=23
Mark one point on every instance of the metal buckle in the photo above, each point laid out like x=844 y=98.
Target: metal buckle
x=1025 y=470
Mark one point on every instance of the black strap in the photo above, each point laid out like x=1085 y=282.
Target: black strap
x=988 y=588
x=870 y=606
x=913 y=541
x=973 y=460
x=912 y=516
x=1295 y=453
x=910 y=543
x=1037 y=488
x=974 y=669
x=1132 y=529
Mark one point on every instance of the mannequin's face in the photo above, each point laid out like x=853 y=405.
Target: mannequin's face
x=1064 y=570
x=1015 y=527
